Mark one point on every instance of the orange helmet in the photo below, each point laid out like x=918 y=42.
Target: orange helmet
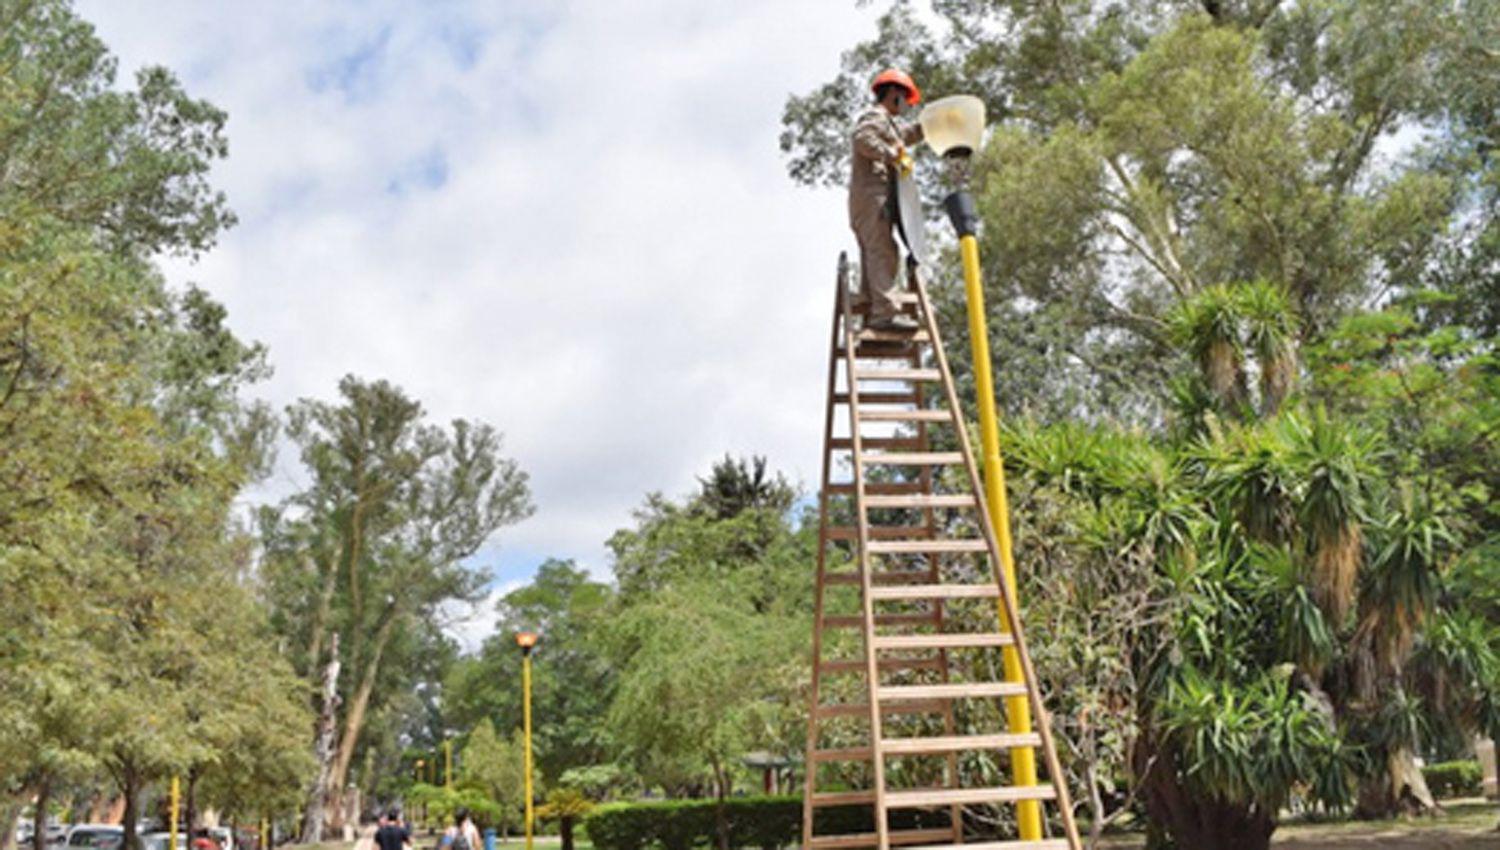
x=900 y=78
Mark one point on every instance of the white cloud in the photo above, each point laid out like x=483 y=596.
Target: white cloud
x=570 y=220
x=470 y=624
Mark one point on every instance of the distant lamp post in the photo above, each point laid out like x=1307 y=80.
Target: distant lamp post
x=954 y=128
x=448 y=763
x=527 y=642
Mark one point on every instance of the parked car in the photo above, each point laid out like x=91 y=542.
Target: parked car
x=95 y=836
x=158 y=841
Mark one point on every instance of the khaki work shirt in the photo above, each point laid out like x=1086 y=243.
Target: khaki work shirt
x=877 y=141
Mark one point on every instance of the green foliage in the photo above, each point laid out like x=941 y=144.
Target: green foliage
x=134 y=643
x=495 y=769
x=753 y=822
x=572 y=678
x=1454 y=778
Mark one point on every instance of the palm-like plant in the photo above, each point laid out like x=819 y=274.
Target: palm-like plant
x=1401 y=584
x=1336 y=463
x=1208 y=327
x=1270 y=334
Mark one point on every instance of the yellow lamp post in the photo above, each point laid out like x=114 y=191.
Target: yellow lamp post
x=954 y=127
x=527 y=642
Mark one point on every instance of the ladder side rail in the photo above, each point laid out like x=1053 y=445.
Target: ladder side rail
x=1007 y=597
x=862 y=524
x=809 y=764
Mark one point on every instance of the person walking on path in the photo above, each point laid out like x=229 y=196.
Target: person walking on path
x=462 y=835
x=392 y=834
x=879 y=155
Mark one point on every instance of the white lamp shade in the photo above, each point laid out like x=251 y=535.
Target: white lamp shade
x=954 y=123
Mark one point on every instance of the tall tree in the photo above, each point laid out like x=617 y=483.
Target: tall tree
x=383 y=534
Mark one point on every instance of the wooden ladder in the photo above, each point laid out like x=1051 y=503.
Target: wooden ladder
x=909 y=561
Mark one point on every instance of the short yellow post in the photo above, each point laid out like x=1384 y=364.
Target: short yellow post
x=176 y=804
x=527 y=641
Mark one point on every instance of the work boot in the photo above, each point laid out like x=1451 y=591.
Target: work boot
x=895 y=324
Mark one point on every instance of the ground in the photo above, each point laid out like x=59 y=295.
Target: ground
x=1463 y=825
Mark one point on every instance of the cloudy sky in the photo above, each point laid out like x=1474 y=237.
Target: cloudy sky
x=567 y=219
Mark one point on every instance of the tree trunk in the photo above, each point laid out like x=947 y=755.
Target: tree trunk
x=1399 y=789
x=130 y=783
x=190 y=801
x=1192 y=821
x=10 y=813
x=320 y=620
x=39 y=818
x=312 y=822
x=354 y=719
x=565 y=831
x=721 y=814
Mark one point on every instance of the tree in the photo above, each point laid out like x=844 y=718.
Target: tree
x=382 y=535
x=496 y=767
x=566 y=806
x=572 y=677
x=697 y=683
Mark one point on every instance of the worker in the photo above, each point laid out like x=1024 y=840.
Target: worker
x=880 y=154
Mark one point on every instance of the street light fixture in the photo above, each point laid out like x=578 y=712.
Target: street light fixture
x=527 y=641
x=954 y=128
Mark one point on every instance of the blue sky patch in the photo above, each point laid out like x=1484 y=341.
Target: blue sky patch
x=426 y=172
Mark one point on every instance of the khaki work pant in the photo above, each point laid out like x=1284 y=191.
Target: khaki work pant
x=879 y=262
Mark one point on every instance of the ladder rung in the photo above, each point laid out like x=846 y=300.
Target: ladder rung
x=903 y=838
x=964 y=796
x=857 y=665
x=958 y=743
x=877 y=398
x=879 y=532
x=844 y=754
x=958 y=640
x=922 y=500
x=911 y=458
x=895 y=593
x=963 y=690
x=847 y=443
x=1039 y=844
x=892 y=577
x=919 y=547
x=908 y=375
x=886 y=488
x=923 y=415
x=892 y=336
x=901 y=706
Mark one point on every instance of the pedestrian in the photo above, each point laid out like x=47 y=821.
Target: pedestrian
x=392 y=834
x=879 y=156
x=461 y=834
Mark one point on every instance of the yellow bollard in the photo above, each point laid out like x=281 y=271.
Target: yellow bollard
x=172 y=828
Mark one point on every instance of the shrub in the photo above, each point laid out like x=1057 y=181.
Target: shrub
x=1454 y=778
x=764 y=822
